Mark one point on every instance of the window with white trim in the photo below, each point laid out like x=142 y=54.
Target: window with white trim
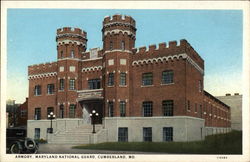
x=37 y=90
x=72 y=111
x=50 y=89
x=72 y=84
x=111 y=79
x=37 y=114
x=61 y=84
x=111 y=108
x=122 y=78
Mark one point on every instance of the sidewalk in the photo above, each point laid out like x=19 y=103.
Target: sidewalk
x=67 y=149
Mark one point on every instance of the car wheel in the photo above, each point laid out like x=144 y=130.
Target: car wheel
x=14 y=149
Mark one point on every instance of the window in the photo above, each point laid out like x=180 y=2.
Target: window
x=61 y=111
x=147 y=79
x=38 y=90
x=111 y=79
x=123 y=134
x=200 y=86
x=72 y=54
x=72 y=84
x=188 y=105
x=37 y=133
x=122 y=108
x=167 y=77
x=147 y=134
x=147 y=108
x=111 y=45
x=50 y=88
x=94 y=83
x=72 y=109
x=123 y=78
x=37 y=113
x=201 y=111
x=168 y=134
x=123 y=45
x=61 y=54
x=23 y=113
x=167 y=107
x=111 y=108
x=61 y=86
x=49 y=110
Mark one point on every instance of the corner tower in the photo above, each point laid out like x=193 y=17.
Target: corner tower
x=119 y=34
x=71 y=43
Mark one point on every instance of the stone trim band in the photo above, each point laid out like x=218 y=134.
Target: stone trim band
x=37 y=76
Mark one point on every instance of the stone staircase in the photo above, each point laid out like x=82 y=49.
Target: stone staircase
x=79 y=135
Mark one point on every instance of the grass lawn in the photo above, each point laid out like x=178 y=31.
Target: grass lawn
x=230 y=143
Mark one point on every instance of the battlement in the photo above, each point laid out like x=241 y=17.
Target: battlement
x=167 y=49
x=119 y=18
x=70 y=30
x=43 y=66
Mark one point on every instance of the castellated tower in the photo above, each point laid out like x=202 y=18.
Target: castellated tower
x=118 y=40
x=71 y=42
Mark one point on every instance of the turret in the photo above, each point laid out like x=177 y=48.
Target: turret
x=71 y=42
x=119 y=33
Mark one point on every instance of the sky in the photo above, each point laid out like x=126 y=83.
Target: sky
x=215 y=34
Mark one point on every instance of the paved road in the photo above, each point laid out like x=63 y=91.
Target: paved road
x=67 y=149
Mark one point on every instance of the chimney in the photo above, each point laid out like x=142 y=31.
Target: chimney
x=228 y=94
x=236 y=94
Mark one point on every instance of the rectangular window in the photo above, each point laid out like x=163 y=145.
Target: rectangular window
x=37 y=113
x=111 y=79
x=72 y=84
x=122 y=78
x=72 y=54
x=201 y=111
x=147 y=134
x=61 y=86
x=111 y=108
x=168 y=134
x=188 y=105
x=72 y=109
x=23 y=113
x=123 y=134
x=147 y=108
x=94 y=83
x=147 y=79
x=167 y=107
x=122 y=108
x=111 y=45
x=37 y=134
x=50 y=88
x=200 y=86
x=123 y=45
x=37 y=90
x=49 y=110
x=167 y=77
x=61 y=111
x=61 y=54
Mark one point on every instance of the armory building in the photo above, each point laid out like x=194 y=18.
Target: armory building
x=141 y=94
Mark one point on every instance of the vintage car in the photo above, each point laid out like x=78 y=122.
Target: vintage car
x=18 y=143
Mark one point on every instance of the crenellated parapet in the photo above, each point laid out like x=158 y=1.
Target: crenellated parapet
x=42 y=70
x=119 y=20
x=169 y=50
x=68 y=35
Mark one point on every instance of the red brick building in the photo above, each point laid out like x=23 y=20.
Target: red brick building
x=125 y=85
